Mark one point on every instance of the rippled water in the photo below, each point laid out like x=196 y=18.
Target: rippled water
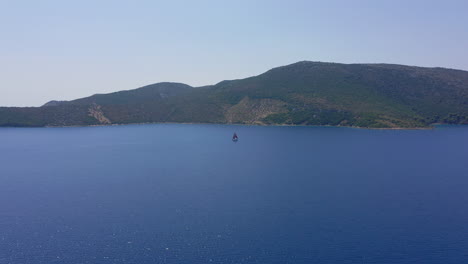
x=188 y=194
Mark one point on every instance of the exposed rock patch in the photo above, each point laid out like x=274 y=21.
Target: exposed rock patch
x=96 y=112
x=252 y=111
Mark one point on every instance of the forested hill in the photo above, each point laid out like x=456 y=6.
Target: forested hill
x=303 y=93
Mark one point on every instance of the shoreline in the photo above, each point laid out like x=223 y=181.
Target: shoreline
x=430 y=127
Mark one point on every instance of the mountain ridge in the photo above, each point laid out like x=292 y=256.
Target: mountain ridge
x=303 y=93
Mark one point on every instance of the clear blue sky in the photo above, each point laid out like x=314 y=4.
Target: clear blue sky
x=68 y=49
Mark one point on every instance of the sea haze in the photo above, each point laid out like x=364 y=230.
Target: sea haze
x=171 y=193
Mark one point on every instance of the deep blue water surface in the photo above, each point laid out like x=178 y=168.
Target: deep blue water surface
x=188 y=194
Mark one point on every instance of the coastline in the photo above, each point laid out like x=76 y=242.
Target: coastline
x=430 y=127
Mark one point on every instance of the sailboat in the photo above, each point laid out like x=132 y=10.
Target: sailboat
x=235 y=137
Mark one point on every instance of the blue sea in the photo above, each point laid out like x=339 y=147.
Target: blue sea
x=173 y=193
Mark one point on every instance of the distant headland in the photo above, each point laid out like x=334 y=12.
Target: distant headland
x=303 y=93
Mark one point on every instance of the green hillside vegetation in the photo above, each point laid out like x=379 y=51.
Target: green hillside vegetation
x=304 y=93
